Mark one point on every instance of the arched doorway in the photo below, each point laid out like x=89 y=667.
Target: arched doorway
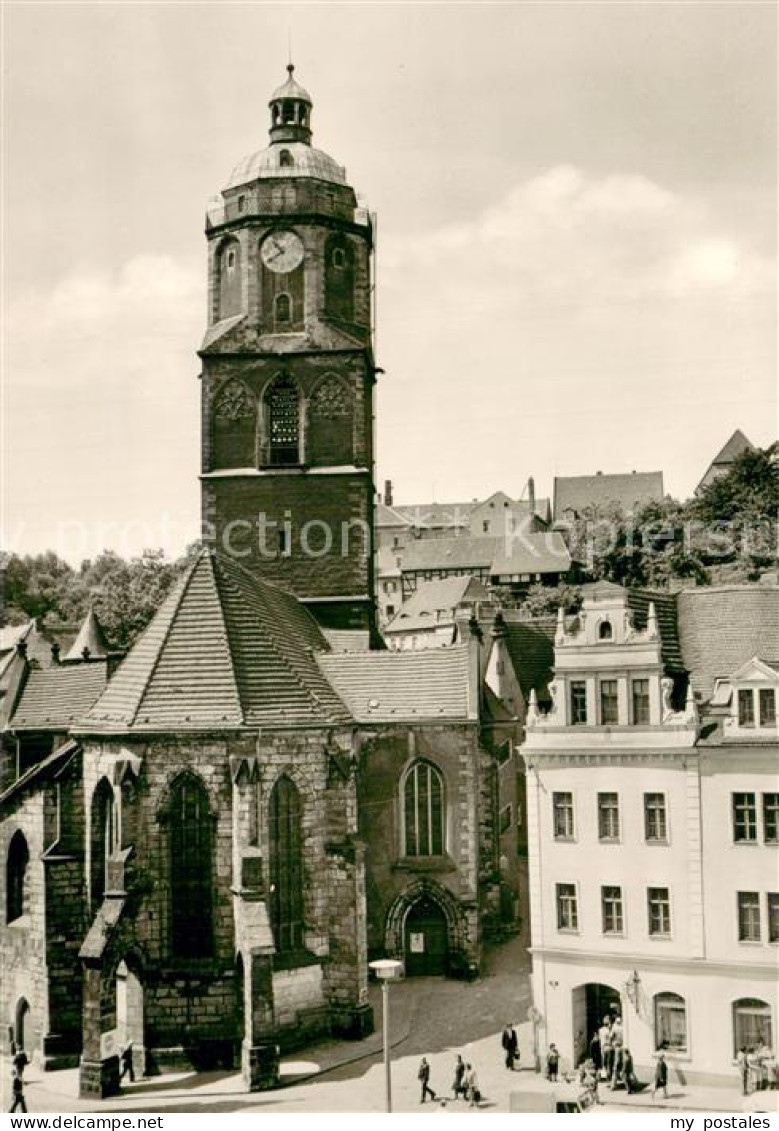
x=591 y=1003
x=22 y=1027
x=426 y=944
x=129 y=1016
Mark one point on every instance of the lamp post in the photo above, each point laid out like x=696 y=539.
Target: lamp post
x=386 y=970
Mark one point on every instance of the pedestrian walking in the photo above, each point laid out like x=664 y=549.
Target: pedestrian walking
x=17 y=1087
x=128 y=1068
x=510 y=1045
x=472 y=1086
x=743 y=1068
x=458 y=1084
x=661 y=1076
x=552 y=1064
x=20 y=1061
x=423 y=1075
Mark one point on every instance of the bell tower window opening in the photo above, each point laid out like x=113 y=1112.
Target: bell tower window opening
x=288 y=112
x=286 y=159
x=283 y=413
x=339 y=259
x=283 y=307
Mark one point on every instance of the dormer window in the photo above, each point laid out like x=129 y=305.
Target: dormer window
x=746 y=707
x=767 y=701
x=605 y=631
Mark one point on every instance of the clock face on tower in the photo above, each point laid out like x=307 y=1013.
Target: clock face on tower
x=282 y=252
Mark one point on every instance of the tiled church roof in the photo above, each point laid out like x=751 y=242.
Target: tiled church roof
x=224 y=650
x=401 y=686
x=52 y=699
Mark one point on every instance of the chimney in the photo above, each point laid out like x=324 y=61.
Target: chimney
x=531 y=496
x=388 y=492
x=55 y=653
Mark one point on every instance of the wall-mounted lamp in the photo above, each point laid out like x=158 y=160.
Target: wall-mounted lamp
x=631 y=989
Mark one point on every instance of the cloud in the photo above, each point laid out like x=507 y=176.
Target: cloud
x=576 y=240
x=123 y=330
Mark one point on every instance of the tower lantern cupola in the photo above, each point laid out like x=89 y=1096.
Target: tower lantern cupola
x=290 y=112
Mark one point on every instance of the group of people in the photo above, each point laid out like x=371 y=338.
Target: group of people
x=19 y=1062
x=609 y=1061
x=465 y=1084
x=757 y=1067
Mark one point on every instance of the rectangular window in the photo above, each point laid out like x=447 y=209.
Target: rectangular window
x=659 y=911
x=748 y=916
x=772 y=899
x=767 y=707
x=562 y=815
x=670 y=1022
x=771 y=818
x=567 y=911
x=744 y=817
x=611 y=908
x=746 y=708
x=609 y=709
x=655 y=822
x=640 y=689
x=578 y=702
x=608 y=816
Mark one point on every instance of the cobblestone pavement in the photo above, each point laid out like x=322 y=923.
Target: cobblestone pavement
x=433 y=1017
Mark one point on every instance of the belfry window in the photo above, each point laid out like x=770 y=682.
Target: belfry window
x=283 y=309
x=423 y=811
x=190 y=869
x=286 y=866
x=283 y=421
x=16 y=867
x=605 y=631
x=285 y=159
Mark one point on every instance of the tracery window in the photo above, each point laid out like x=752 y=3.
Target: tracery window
x=423 y=811
x=190 y=869
x=286 y=865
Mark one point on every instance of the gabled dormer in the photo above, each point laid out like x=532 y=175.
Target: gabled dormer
x=752 y=702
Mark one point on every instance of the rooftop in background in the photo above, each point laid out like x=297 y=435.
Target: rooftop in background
x=720 y=628
x=725 y=458
x=578 y=496
x=436 y=602
x=91 y=639
x=544 y=552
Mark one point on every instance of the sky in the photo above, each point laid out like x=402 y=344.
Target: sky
x=576 y=254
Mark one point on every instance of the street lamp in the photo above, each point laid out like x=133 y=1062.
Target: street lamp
x=631 y=989
x=386 y=970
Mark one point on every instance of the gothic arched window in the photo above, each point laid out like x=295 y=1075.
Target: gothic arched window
x=286 y=866
x=423 y=811
x=104 y=838
x=228 y=267
x=339 y=278
x=282 y=414
x=190 y=869
x=16 y=866
x=605 y=631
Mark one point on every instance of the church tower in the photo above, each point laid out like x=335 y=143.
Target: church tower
x=288 y=373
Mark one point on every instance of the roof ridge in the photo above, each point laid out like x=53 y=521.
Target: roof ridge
x=184 y=585
x=228 y=635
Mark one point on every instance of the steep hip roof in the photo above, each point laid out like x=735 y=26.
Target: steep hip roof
x=90 y=638
x=225 y=650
